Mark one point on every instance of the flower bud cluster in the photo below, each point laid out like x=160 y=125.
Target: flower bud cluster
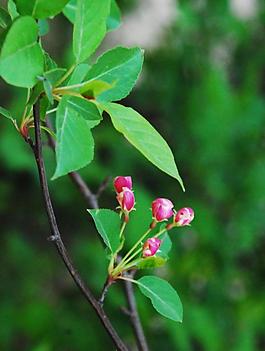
x=125 y=195
x=162 y=210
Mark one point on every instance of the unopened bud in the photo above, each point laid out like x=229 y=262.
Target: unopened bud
x=151 y=247
x=126 y=200
x=162 y=209
x=122 y=182
x=184 y=216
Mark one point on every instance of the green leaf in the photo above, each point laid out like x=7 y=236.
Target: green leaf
x=151 y=262
x=35 y=93
x=44 y=105
x=54 y=75
x=12 y=9
x=85 y=108
x=40 y=8
x=114 y=18
x=89 y=27
x=140 y=133
x=48 y=90
x=5 y=19
x=166 y=244
x=90 y=89
x=164 y=298
x=21 y=59
x=51 y=78
x=70 y=10
x=49 y=63
x=79 y=74
x=75 y=144
x=6 y=113
x=108 y=225
x=43 y=27
x=120 y=67
x=93 y=88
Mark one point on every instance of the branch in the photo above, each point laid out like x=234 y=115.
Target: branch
x=56 y=236
x=92 y=200
x=134 y=315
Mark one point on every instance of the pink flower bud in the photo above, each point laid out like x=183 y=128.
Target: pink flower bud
x=151 y=246
x=122 y=182
x=126 y=200
x=162 y=209
x=184 y=216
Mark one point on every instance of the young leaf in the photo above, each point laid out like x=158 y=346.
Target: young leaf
x=94 y=88
x=48 y=90
x=89 y=27
x=40 y=8
x=85 y=108
x=54 y=75
x=108 y=225
x=43 y=27
x=75 y=144
x=50 y=79
x=44 y=105
x=151 y=262
x=91 y=88
x=166 y=244
x=164 y=298
x=12 y=9
x=70 y=10
x=120 y=67
x=78 y=74
x=5 y=19
x=6 y=113
x=35 y=93
x=140 y=133
x=21 y=59
x=49 y=63
x=114 y=18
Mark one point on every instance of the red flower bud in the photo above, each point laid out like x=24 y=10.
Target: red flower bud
x=162 y=209
x=126 y=201
x=151 y=246
x=122 y=182
x=184 y=216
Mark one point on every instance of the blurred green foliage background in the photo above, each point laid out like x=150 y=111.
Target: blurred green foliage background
x=202 y=86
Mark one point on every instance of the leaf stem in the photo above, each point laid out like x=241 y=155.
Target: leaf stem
x=128 y=279
x=123 y=261
x=140 y=249
x=51 y=111
x=122 y=228
x=66 y=75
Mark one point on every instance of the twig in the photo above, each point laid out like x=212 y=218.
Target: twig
x=92 y=200
x=103 y=186
x=84 y=190
x=105 y=289
x=134 y=315
x=56 y=236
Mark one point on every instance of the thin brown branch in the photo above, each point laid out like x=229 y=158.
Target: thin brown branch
x=103 y=186
x=92 y=200
x=134 y=315
x=57 y=240
x=105 y=289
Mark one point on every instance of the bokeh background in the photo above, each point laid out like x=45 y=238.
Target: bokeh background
x=202 y=86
